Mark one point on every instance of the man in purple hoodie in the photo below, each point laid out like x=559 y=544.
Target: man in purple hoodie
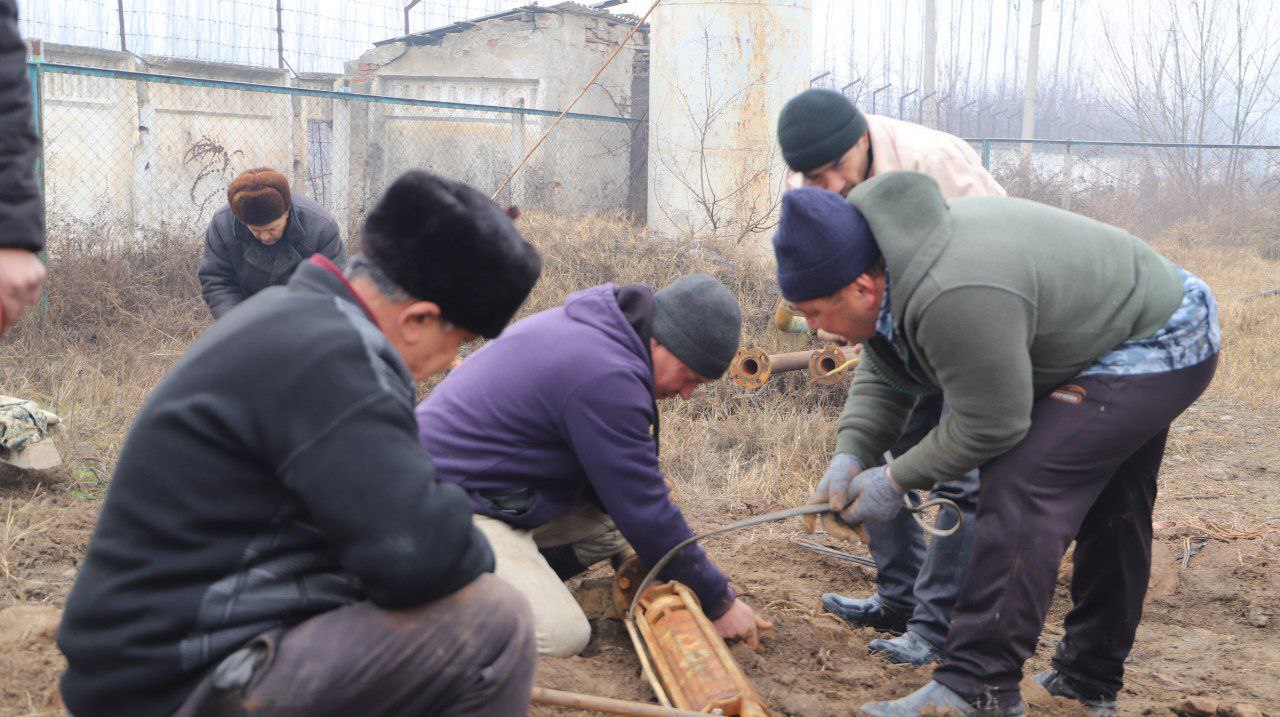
x=552 y=429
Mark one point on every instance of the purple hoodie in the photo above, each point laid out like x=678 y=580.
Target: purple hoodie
x=562 y=405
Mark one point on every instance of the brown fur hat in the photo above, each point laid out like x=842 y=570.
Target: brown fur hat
x=259 y=196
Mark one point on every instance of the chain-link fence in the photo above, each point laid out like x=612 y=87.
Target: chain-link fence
x=1072 y=173
x=128 y=155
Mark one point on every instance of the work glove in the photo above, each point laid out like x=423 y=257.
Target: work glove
x=871 y=497
x=844 y=467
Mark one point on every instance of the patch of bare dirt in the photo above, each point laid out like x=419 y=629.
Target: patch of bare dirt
x=1213 y=634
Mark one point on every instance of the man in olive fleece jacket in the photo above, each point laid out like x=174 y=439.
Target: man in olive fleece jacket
x=1064 y=348
x=831 y=144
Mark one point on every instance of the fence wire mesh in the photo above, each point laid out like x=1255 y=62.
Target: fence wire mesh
x=127 y=155
x=1179 y=178
x=132 y=155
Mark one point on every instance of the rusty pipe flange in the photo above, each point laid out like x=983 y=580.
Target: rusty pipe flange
x=750 y=367
x=830 y=358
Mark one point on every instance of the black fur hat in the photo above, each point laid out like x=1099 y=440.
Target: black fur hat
x=444 y=242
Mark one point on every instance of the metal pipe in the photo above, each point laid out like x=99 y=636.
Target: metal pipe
x=786 y=320
x=920 y=106
x=124 y=47
x=407 y=8
x=1118 y=143
x=279 y=35
x=308 y=92
x=902 y=101
x=605 y=705
x=752 y=367
x=823 y=363
x=794 y=325
x=876 y=92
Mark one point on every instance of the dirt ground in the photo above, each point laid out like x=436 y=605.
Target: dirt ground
x=1214 y=631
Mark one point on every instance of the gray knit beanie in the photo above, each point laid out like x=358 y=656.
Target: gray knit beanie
x=698 y=319
x=818 y=126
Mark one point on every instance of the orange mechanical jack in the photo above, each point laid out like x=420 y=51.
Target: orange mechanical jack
x=684 y=659
x=682 y=656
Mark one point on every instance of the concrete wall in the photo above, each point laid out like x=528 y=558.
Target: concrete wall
x=537 y=59
x=127 y=159
x=89 y=139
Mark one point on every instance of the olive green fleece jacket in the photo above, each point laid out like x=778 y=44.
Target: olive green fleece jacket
x=995 y=301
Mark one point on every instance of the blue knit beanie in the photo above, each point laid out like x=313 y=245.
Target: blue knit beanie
x=822 y=244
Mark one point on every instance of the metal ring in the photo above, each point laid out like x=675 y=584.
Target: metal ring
x=917 y=511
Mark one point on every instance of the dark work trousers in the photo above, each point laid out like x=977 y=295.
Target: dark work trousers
x=1086 y=470
x=471 y=653
x=918 y=578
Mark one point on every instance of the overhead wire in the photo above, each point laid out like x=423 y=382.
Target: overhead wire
x=570 y=106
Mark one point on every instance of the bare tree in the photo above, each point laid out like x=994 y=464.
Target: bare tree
x=728 y=204
x=1203 y=73
x=986 y=48
x=1253 y=65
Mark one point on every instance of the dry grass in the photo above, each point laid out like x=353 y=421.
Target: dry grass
x=1247 y=373
x=113 y=324
x=116 y=322
x=21 y=523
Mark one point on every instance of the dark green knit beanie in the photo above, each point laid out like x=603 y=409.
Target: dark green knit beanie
x=699 y=321
x=818 y=126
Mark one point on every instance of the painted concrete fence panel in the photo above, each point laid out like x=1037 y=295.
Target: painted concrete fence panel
x=135 y=155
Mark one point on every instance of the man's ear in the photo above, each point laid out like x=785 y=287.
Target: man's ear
x=416 y=319
x=867 y=284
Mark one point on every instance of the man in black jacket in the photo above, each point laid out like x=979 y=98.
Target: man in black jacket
x=260 y=237
x=21 y=206
x=274 y=535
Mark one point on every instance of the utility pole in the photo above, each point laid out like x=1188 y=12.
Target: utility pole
x=120 y=9
x=279 y=36
x=928 y=68
x=1029 y=103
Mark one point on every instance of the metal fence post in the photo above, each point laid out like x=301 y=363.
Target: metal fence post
x=986 y=153
x=1068 y=164
x=35 y=76
x=516 y=187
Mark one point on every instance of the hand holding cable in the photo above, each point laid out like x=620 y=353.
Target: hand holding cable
x=808 y=511
x=860 y=495
x=842 y=469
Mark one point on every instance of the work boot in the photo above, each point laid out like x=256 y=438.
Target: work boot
x=909 y=648
x=870 y=612
x=1101 y=704
x=935 y=698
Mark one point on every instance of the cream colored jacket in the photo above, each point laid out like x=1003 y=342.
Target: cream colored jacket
x=949 y=160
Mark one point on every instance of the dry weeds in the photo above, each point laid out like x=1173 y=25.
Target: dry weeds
x=115 y=322
x=21 y=524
